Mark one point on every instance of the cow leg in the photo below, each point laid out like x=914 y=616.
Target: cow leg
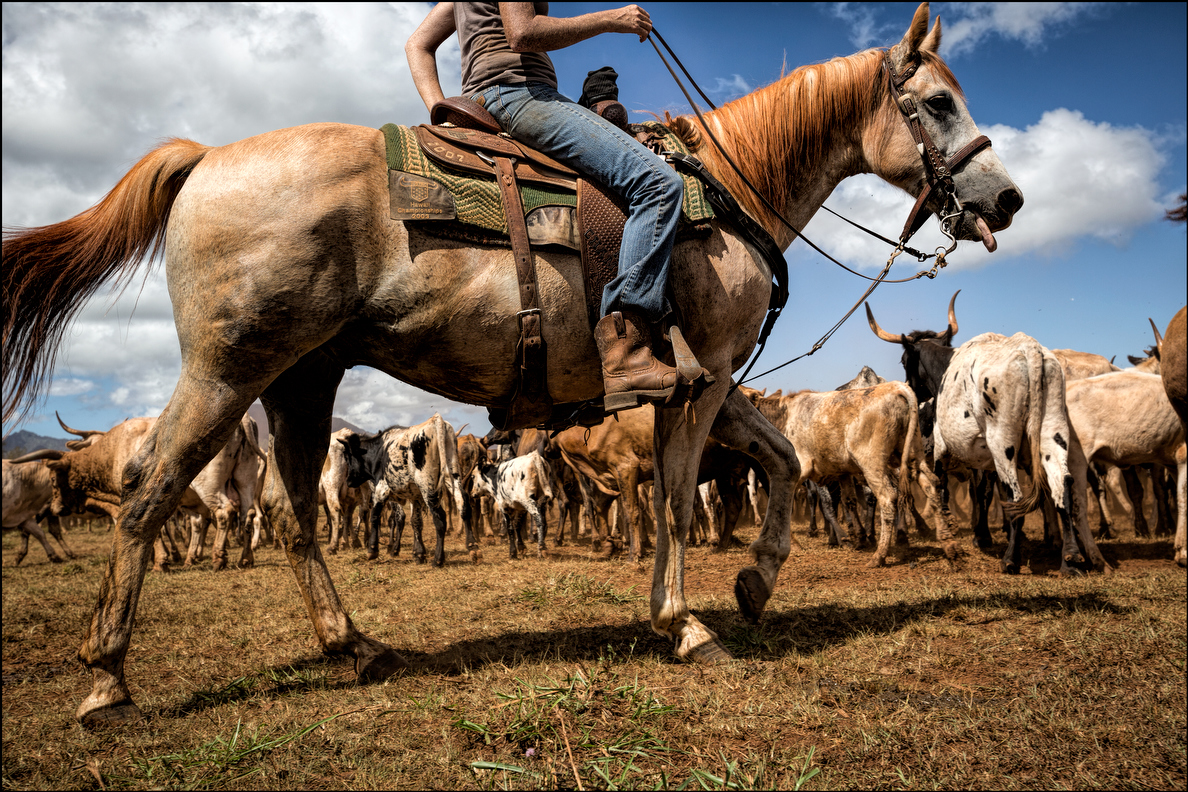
x=885 y=497
x=31 y=528
x=160 y=553
x=198 y=525
x=54 y=527
x=394 y=539
x=1181 y=541
x=417 y=525
x=218 y=553
x=1094 y=476
x=981 y=494
x=811 y=500
x=941 y=521
x=538 y=522
x=505 y=516
x=247 y=556
x=1162 y=493
x=298 y=404
x=1134 y=490
x=433 y=504
x=830 y=495
x=740 y=426
x=373 y=532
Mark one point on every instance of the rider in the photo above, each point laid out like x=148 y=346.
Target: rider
x=505 y=69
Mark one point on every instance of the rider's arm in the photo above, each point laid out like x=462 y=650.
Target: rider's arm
x=421 y=52
x=527 y=32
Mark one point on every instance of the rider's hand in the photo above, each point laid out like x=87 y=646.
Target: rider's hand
x=631 y=19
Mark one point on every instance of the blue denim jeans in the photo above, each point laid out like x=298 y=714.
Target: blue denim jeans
x=538 y=116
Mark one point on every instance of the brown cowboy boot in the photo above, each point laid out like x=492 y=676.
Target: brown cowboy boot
x=631 y=374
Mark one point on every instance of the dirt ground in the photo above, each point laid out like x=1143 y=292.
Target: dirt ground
x=544 y=673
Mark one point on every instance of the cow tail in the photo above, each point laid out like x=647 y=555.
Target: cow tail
x=542 y=473
x=447 y=447
x=1035 y=418
x=913 y=449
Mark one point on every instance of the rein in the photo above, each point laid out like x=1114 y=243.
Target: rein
x=938 y=172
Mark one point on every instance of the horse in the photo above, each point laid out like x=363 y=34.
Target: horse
x=285 y=269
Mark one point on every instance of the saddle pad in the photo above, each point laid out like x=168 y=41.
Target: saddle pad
x=477 y=200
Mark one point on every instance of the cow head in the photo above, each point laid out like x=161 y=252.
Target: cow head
x=926 y=353
x=362 y=466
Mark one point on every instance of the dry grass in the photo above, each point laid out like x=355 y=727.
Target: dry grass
x=540 y=672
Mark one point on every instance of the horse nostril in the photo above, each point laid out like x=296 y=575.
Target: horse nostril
x=1010 y=200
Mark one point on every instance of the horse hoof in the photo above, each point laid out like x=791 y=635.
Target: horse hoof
x=372 y=555
x=117 y=715
x=709 y=653
x=379 y=666
x=752 y=594
x=1009 y=568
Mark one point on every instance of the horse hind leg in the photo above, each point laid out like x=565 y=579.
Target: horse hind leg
x=299 y=404
x=194 y=425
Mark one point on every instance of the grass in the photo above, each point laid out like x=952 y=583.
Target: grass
x=544 y=673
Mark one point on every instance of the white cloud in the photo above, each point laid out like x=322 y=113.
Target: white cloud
x=967 y=24
x=865 y=31
x=1078 y=178
x=70 y=386
x=733 y=88
x=372 y=400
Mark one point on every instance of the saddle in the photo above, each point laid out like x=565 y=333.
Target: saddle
x=465 y=140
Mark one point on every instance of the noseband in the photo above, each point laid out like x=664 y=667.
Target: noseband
x=938 y=171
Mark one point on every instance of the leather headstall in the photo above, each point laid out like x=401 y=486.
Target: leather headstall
x=938 y=171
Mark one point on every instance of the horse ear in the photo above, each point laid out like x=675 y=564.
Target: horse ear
x=907 y=51
x=931 y=42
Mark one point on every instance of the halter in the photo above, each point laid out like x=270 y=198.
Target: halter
x=937 y=170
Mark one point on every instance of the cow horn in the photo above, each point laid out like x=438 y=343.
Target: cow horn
x=953 y=315
x=45 y=453
x=880 y=332
x=1158 y=338
x=83 y=433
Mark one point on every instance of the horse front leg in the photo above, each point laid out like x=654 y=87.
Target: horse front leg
x=740 y=426
x=676 y=446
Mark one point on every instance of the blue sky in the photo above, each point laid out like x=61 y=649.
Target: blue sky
x=1085 y=104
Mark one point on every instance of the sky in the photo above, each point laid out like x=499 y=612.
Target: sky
x=1084 y=103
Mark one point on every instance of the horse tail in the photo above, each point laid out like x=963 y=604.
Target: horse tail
x=50 y=271
x=1035 y=417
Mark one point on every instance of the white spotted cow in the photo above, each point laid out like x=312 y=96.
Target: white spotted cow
x=518 y=486
x=417 y=464
x=999 y=401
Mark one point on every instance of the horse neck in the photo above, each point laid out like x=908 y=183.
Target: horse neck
x=796 y=139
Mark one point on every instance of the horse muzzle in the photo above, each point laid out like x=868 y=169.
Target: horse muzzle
x=979 y=222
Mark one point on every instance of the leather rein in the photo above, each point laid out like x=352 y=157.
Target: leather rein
x=938 y=173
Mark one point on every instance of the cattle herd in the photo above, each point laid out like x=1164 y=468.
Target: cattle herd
x=1039 y=428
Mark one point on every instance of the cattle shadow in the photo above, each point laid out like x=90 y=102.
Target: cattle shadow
x=793 y=632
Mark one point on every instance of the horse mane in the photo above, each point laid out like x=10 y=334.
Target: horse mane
x=788 y=126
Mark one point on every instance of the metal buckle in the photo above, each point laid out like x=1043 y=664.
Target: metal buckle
x=521 y=314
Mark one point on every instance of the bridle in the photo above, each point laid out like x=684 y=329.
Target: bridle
x=938 y=171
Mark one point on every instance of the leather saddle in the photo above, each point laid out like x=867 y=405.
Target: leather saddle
x=465 y=137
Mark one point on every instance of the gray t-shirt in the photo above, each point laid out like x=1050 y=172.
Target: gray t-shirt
x=487 y=59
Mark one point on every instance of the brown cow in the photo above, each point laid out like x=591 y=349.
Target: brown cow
x=28 y=489
x=1126 y=419
x=862 y=432
x=617 y=458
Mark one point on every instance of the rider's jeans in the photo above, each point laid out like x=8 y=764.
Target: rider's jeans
x=539 y=116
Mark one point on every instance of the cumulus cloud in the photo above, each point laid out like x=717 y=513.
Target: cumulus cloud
x=70 y=386
x=1078 y=178
x=967 y=24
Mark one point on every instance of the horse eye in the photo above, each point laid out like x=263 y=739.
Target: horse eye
x=940 y=103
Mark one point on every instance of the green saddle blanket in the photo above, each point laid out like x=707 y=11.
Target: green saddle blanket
x=477 y=201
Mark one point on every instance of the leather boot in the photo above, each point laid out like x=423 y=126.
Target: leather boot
x=631 y=374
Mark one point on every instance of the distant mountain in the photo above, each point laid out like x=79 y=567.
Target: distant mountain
x=22 y=442
x=256 y=411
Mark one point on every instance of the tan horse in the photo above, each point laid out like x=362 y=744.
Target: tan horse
x=285 y=269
